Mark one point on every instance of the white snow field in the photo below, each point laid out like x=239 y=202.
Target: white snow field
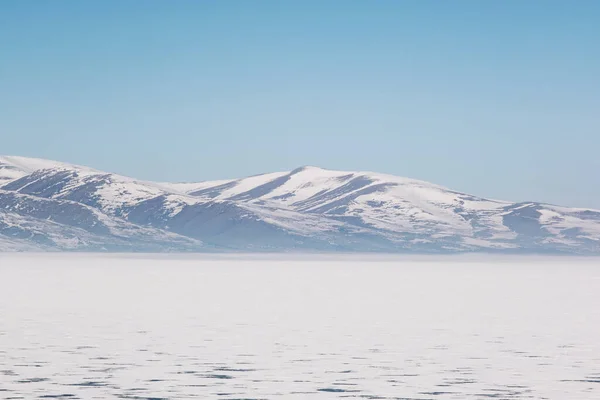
x=172 y=327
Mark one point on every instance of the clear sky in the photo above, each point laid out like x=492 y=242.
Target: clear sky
x=494 y=98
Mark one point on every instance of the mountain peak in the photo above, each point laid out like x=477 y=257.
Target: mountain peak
x=306 y=168
x=31 y=164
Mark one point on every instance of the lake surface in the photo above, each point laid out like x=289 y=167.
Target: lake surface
x=285 y=327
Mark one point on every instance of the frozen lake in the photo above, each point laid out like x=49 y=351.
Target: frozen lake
x=174 y=327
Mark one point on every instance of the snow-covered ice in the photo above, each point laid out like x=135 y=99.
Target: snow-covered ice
x=298 y=327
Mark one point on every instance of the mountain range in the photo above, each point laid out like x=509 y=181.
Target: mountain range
x=53 y=206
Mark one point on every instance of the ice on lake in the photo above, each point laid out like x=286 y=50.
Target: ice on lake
x=291 y=327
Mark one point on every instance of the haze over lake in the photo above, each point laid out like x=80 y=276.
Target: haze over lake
x=86 y=326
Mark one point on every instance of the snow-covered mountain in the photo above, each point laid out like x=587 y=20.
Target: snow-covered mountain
x=48 y=205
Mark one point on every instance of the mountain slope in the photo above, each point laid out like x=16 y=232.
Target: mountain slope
x=380 y=201
x=405 y=207
x=307 y=209
x=66 y=225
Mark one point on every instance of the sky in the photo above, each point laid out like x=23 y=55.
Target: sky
x=494 y=98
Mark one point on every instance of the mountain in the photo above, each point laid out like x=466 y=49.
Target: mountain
x=49 y=205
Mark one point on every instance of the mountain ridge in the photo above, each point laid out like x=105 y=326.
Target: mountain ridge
x=306 y=209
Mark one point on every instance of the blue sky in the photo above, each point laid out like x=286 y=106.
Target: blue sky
x=494 y=98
